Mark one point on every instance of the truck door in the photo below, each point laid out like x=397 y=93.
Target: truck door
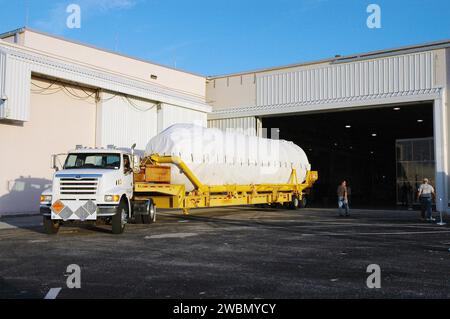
x=128 y=176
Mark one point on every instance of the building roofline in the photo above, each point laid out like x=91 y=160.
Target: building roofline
x=23 y=29
x=353 y=57
x=11 y=33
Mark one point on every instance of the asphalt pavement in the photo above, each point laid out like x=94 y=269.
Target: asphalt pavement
x=236 y=252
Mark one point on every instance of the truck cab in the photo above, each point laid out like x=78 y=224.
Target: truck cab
x=93 y=184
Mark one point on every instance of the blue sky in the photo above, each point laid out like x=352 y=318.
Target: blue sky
x=218 y=37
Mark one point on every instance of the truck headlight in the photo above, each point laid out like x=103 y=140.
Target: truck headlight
x=46 y=198
x=112 y=198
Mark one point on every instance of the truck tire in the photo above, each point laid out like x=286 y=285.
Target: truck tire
x=150 y=218
x=119 y=220
x=50 y=227
x=303 y=202
x=294 y=204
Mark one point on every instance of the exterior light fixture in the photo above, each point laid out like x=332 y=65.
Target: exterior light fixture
x=348 y=126
x=374 y=134
x=419 y=121
x=396 y=109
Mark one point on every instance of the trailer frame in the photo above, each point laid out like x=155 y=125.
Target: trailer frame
x=174 y=196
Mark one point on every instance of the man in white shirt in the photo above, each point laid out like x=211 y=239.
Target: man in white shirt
x=426 y=194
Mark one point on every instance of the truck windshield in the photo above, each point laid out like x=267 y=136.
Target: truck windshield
x=86 y=160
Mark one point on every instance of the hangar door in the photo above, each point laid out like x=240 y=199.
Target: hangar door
x=62 y=116
x=382 y=152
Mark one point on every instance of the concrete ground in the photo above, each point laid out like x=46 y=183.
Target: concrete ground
x=232 y=253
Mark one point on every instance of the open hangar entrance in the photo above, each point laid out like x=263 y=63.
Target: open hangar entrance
x=383 y=152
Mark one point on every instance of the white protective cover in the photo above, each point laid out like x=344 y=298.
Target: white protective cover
x=219 y=158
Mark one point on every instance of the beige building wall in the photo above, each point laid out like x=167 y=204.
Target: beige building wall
x=166 y=77
x=58 y=122
x=233 y=91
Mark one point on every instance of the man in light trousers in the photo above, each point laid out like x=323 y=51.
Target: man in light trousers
x=426 y=194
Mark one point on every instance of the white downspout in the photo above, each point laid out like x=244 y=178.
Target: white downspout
x=441 y=152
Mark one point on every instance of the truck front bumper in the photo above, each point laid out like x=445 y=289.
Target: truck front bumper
x=84 y=211
x=79 y=210
x=102 y=211
x=106 y=210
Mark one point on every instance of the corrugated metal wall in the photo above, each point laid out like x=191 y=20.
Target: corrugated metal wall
x=2 y=83
x=170 y=114
x=246 y=125
x=16 y=86
x=404 y=73
x=122 y=121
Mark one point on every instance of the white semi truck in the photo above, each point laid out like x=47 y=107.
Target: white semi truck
x=94 y=184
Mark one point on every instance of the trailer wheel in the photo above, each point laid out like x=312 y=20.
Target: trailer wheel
x=50 y=227
x=119 y=220
x=150 y=218
x=303 y=202
x=294 y=204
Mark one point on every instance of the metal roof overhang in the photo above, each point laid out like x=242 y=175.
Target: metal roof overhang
x=25 y=62
x=324 y=105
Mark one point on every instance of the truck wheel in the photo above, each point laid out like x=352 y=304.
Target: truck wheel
x=50 y=227
x=294 y=203
x=303 y=202
x=150 y=218
x=119 y=220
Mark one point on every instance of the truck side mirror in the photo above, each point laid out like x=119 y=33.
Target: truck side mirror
x=136 y=162
x=54 y=163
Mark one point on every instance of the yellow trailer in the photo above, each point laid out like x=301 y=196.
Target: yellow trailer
x=167 y=195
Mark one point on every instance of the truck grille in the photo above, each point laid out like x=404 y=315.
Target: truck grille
x=74 y=186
